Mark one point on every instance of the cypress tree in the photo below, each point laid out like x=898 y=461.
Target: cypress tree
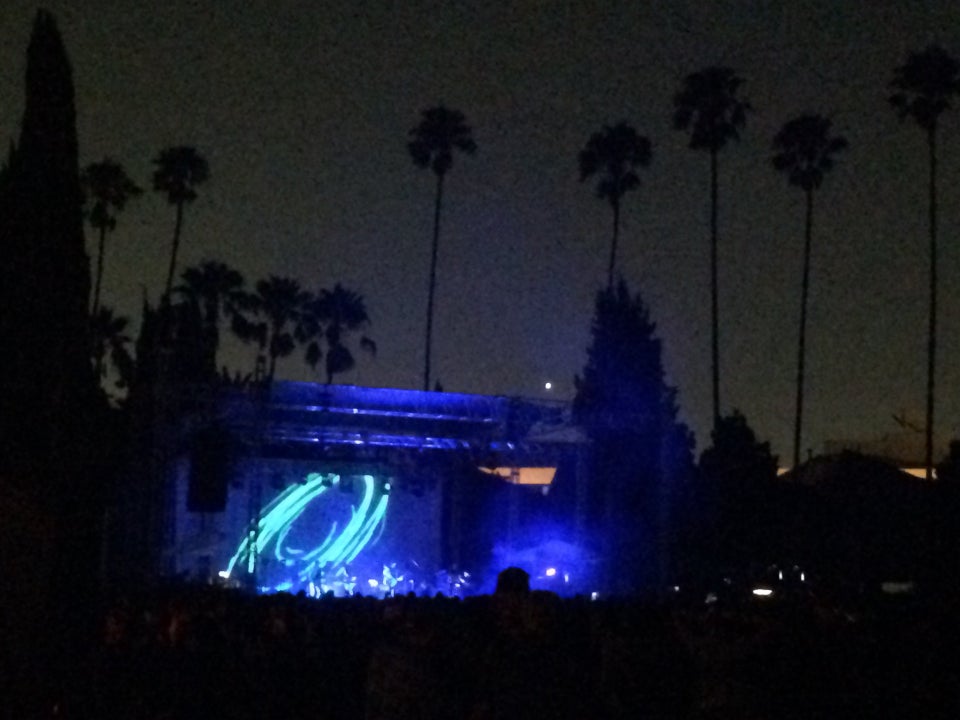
x=46 y=382
x=640 y=451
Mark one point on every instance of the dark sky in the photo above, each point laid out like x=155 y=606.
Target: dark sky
x=302 y=109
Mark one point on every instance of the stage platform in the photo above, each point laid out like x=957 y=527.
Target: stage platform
x=317 y=488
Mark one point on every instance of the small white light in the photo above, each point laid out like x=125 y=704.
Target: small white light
x=548 y=386
x=225 y=574
x=594 y=595
x=803 y=578
x=676 y=588
x=762 y=592
x=373 y=583
x=780 y=575
x=551 y=572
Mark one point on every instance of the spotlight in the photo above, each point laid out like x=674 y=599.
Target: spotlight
x=551 y=572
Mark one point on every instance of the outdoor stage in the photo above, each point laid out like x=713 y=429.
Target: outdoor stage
x=345 y=489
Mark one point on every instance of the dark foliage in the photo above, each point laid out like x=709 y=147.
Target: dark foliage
x=640 y=451
x=948 y=470
x=732 y=519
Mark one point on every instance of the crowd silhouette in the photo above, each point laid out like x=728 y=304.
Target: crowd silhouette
x=205 y=651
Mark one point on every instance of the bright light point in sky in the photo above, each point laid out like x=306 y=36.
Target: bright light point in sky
x=548 y=386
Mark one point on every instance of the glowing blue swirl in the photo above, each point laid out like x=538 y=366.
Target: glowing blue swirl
x=337 y=548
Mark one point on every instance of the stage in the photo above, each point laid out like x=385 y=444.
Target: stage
x=344 y=489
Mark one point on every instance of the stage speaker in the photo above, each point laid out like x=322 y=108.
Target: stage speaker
x=211 y=465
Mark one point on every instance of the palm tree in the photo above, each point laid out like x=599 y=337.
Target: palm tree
x=339 y=312
x=179 y=170
x=110 y=340
x=708 y=108
x=440 y=132
x=614 y=154
x=218 y=291
x=281 y=311
x=106 y=189
x=804 y=151
x=925 y=85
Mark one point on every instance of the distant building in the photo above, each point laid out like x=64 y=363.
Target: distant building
x=904 y=449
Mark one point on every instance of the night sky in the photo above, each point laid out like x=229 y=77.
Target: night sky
x=303 y=109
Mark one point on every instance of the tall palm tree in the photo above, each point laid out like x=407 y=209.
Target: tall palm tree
x=441 y=131
x=614 y=154
x=707 y=107
x=179 y=171
x=280 y=308
x=804 y=152
x=106 y=189
x=338 y=313
x=218 y=291
x=925 y=85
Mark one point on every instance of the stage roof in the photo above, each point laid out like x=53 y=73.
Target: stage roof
x=310 y=421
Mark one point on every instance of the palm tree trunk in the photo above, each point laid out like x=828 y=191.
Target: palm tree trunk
x=613 y=243
x=802 y=344
x=932 y=336
x=173 y=253
x=271 y=371
x=714 y=312
x=433 y=280
x=96 y=287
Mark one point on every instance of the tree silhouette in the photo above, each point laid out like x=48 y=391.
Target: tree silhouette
x=49 y=394
x=804 y=152
x=948 y=470
x=179 y=170
x=639 y=450
x=925 y=86
x=280 y=308
x=106 y=189
x=337 y=313
x=614 y=154
x=738 y=474
x=707 y=108
x=111 y=342
x=218 y=291
x=441 y=131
